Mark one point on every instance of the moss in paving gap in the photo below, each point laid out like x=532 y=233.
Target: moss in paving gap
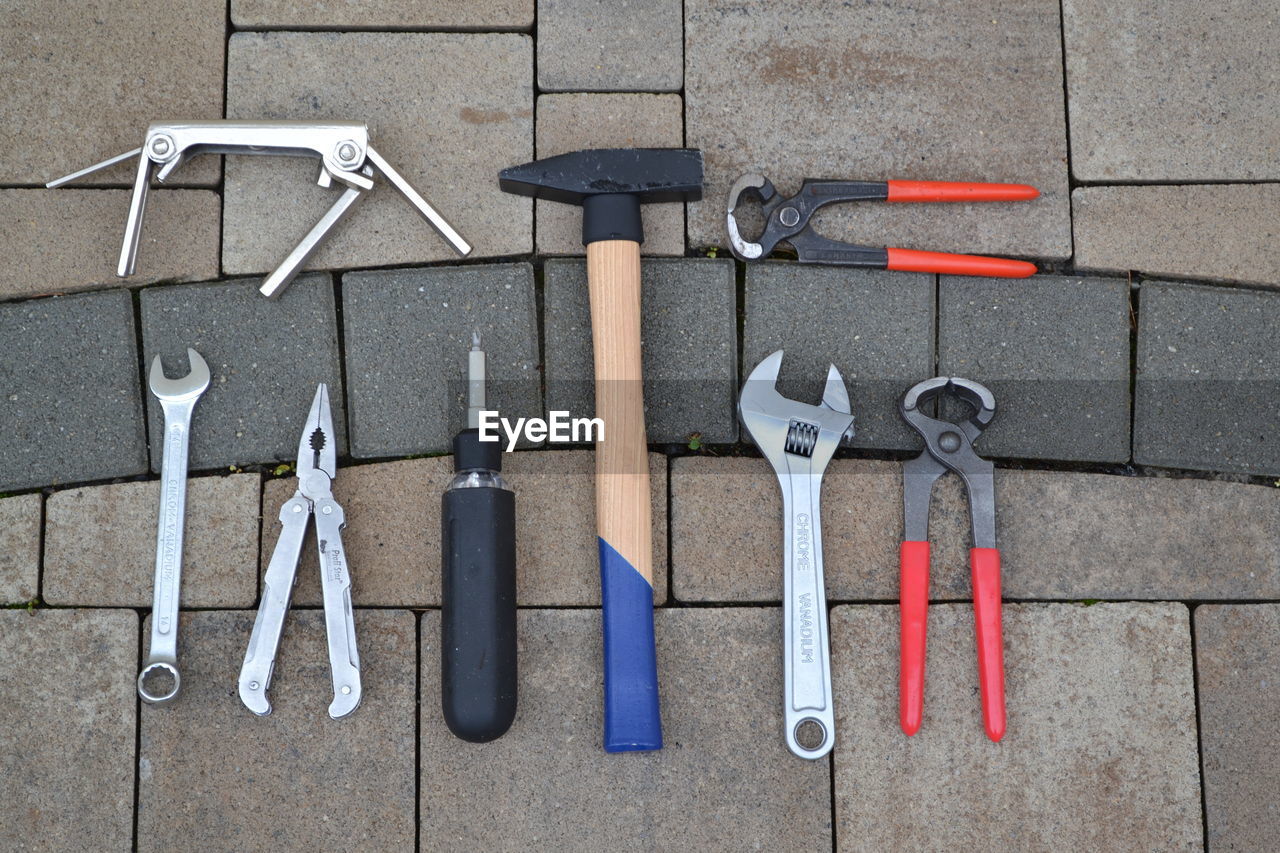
x=29 y=606
x=284 y=469
x=1089 y=602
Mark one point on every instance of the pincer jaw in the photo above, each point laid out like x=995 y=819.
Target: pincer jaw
x=748 y=186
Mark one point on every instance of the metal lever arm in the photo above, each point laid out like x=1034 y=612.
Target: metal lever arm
x=339 y=621
x=420 y=204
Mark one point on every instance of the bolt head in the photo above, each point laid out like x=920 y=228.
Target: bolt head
x=788 y=216
x=347 y=152
x=949 y=441
x=161 y=146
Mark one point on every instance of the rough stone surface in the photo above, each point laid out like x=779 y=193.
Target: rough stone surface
x=689 y=346
x=723 y=780
x=876 y=327
x=62 y=240
x=266 y=358
x=70 y=401
x=210 y=769
x=597 y=45
x=19 y=548
x=1211 y=232
x=67 y=728
x=1100 y=752
x=1237 y=657
x=77 y=88
x=929 y=91
x=1172 y=91
x=447 y=110
x=1055 y=353
x=393 y=530
x=394 y=14
x=100 y=544
x=1207 y=379
x=573 y=122
x=407 y=336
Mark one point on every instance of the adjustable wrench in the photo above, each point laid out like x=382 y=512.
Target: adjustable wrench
x=178 y=399
x=799 y=440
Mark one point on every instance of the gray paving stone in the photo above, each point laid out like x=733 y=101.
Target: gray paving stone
x=19 y=548
x=447 y=110
x=67 y=728
x=83 y=83
x=1061 y=535
x=689 y=346
x=1055 y=353
x=70 y=401
x=63 y=240
x=100 y=544
x=572 y=122
x=1207 y=379
x=1237 y=656
x=724 y=779
x=266 y=358
x=407 y=334
x=829 y=89
x=876 y=327
x=1100 y=752
x=210 y=769
x=601 y=46
x=1211 y=232
x=1171 y=91
x=395 y=14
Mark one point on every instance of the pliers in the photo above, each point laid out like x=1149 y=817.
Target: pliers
x=788 y=219
x=949 y=447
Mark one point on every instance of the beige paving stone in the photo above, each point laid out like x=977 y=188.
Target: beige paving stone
x=576 y=121
x=62 y=240
x=1100 y=752
x=84 y=78
x=609 y=45
x=1221 y=231
x=19 y=548
x=67 y=728
x=100 y=544
x=393 y=529
x=724 y=779
x=209 y=769
x=447 y=110
x=393 y=14
x=1237 y=657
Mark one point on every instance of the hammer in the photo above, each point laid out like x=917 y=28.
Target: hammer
x=611 y=184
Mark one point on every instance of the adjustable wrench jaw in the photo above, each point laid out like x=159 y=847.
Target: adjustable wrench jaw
x=784 y=428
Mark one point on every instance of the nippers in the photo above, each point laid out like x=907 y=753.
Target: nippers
x=788 y=219
x=949 y=447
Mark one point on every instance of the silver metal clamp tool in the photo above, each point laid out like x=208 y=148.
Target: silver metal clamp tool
x=345 y=156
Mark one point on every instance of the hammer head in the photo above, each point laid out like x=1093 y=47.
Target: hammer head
x=649 y=174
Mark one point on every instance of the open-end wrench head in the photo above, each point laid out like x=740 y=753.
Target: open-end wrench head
x=747 y=186
x=184 y=389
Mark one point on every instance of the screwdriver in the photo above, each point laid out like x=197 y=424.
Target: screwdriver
x=478 y=581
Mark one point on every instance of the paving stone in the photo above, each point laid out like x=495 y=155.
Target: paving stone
x=1210 y=232
x=210 y=769
x=1207 y=379
x=1170 y=91
x=724 y=779
x=100 y=544
x=266 y=358
x=407 y=335
x=1237 y=656
x=876 y=327
x=70 y=239
x=70 y=402
x=67 y=728
x=19 y=548
x=573 y=122
x=928 y=91
x=393 y=529
x=447 y=110
x=604 y=45
x=1055 y=353
x=395 y=14
x=1100 y=752
x=83 y=80
x=689 y=346
x=1147 y=537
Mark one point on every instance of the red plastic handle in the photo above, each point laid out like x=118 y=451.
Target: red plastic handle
x=912 y=261
x=913 y=611
x=953 y=191
x=985 y=566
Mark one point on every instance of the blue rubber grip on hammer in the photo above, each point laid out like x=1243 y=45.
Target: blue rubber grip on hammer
x=632 y=720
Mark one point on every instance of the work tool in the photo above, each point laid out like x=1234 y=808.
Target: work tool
x=788 y=219
x=611 y=184
x=178 y=399
x=799 y=440
x=317 y=466
x=949 y=447
x=478 y=579
x=345 y=156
